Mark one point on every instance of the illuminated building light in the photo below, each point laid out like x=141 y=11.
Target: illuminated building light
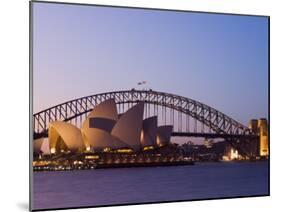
x=77 y=162
x=124 y=150
x=107 y=149
x=233 y=154
x=161 y=145
x=53 y=150
x=225 y=158
x=142 y=135
x=92 y=157
x=148 y=148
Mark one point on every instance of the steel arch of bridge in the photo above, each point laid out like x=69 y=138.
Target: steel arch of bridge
x=214 y=119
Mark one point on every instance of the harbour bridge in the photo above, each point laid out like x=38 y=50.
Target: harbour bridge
x=189 y=118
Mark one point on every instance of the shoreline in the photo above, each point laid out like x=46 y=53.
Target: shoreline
x=113 y=166
x=139 y=165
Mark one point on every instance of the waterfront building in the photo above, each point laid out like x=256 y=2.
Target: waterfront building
x=37 y=143
x=149 y=132
x=104 y=130
x=97 y=127
x=163 y=135
x=263 y=133
x=253 y=125
x=260 y=127
x=208 y=143
x=65 y=137
x=41 y=146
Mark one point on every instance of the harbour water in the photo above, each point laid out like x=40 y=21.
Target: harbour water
x=65 y=189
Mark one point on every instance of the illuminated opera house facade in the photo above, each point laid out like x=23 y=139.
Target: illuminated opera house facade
x=104 y=130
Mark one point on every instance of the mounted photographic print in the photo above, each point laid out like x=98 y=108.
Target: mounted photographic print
x=137 y=105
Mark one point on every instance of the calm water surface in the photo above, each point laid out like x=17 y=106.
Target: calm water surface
x=151 y=184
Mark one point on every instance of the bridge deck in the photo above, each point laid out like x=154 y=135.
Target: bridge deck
x=212 y=135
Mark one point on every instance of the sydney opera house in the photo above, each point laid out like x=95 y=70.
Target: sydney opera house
x=104 y=130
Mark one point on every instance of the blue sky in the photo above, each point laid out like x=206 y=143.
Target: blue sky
x=220 y=60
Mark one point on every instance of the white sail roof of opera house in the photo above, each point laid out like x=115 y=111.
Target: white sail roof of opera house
x=41 y=146
x=98 y=125
x=103 y=128
x=37 y=143
x=106 y=110
x=149 y=131
x=45 y=147
x=128 y=127
x=100 y=139
x=164 y=134
x=65 y=136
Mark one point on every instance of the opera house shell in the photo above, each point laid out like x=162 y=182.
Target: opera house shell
x=41 y=146
x=105 y=129
x=65 y=137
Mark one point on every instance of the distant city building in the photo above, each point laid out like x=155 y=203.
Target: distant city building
x=231 y=154
x=260 y=127
x=190 y=143
x=253 y=125
x=263 y=132
x=208 y=143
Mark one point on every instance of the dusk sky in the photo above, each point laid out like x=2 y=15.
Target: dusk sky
x=220 y=60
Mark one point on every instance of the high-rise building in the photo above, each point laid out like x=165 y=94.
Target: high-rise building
x=253 y=125
x=263 y=133
x=208 y=143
